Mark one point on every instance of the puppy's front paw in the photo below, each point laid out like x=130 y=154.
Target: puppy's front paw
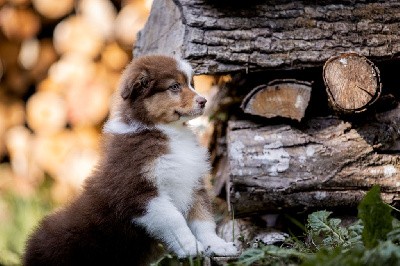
x=189 y=249
x=221 y=248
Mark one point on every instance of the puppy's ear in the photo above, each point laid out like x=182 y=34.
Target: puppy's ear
x=135 y=85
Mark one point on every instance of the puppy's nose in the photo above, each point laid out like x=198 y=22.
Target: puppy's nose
x=201 y=101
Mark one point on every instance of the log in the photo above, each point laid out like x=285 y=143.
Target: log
x=91 y=107
x=53 y=9
x=46 y=112
x=48 y=84
x=86 y=92
x=76 y=35
x=284 y=98
x=260 y=35
x=68 y=157
x=18 y=142
x=129 y=21
x=72 y=68
x=326 y=164
x=114 y=57
x=51 y=151
x=29 y=53
x=352 y=82
x=12 y=114
x=46 y=57
x=100 y=14
x=19 y=24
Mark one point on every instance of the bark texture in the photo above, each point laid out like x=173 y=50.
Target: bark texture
x=258 y=35
x=352 y=82
x=328 y=163
x=284 y=98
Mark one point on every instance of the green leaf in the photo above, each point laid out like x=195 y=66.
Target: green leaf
x=376 y=217
x=355 y=232
x=324 y=231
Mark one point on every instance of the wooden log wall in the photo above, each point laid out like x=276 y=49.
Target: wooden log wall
x=220 y=36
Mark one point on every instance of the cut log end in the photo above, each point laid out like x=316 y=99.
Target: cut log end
x=280 y=98
x=352 y=82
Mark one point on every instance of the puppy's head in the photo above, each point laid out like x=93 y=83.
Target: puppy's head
x=159 y=89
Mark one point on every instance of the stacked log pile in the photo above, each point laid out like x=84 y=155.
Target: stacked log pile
x=59 y=63
x=288 y=36
x=309 y=116
x=325 y=162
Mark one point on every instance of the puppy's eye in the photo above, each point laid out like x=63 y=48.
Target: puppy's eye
x=176 y=87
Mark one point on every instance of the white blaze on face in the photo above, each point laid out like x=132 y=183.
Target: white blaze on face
x=187 y=69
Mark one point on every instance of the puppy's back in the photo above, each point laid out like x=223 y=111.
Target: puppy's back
x=86 y=235
x=96 y=228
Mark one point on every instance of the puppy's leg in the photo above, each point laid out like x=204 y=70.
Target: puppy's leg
x=203 y=227
x=165 y=222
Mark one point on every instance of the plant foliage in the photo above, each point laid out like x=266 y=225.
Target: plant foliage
x=373 y=240
x=376 y=217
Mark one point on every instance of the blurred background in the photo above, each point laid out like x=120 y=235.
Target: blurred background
x=60 y=61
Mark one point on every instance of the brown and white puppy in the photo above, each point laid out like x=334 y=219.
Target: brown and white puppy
x=148 y=186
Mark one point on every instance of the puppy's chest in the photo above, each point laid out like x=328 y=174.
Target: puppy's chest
x=179 y=172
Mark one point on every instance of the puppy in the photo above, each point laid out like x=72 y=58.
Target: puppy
x=148 y=187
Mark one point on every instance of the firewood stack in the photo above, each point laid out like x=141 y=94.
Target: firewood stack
x=308 y=118
x=59 y=63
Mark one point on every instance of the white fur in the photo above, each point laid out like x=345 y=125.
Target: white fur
x=177 y=174
x=213 y=244
x=166 y=223
x=180 y=172
x=187 y=69
x=115 y=126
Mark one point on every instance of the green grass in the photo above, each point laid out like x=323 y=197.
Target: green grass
x=19 y=216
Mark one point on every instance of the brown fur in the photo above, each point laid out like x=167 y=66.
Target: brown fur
x=96 y=228
x=151 y=76
x=201 y=209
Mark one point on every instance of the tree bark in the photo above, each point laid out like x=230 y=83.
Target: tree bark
x=352 y=82
x=260 y=35
x=327 y=164
x=284 y=98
